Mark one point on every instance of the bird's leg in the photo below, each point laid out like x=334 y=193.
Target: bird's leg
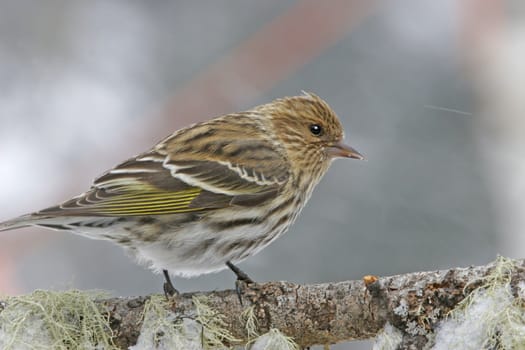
x=241 y=275
x=242 y=279
x=169 y=290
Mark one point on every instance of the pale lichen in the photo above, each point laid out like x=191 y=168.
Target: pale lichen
x=160 y=329
x=389 y=338
x=490 y=317
x=54 y=320
x=402 y=309
x=250 y=322
x=214 y=327
x=163 y=330
x=274 y=340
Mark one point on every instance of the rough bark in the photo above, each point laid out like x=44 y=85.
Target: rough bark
x=331 y=312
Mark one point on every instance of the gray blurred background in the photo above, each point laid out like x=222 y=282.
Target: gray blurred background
x=431 y=92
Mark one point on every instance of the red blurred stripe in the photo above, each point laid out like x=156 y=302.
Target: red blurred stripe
x=261 y=61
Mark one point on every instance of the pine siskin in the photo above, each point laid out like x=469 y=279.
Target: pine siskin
x=211 y=194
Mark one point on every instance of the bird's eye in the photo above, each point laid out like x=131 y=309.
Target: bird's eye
x=316 y=129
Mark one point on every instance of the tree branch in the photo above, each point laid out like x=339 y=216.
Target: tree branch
x=329 y=313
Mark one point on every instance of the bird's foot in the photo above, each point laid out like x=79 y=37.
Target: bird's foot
x=243 y=284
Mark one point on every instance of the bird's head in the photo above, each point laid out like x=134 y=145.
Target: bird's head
x=309 y=131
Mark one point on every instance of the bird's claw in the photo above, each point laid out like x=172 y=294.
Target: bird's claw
x=246 y=288
x=242 y=283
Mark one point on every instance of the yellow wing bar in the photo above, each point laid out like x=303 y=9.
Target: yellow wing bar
x=147 y=203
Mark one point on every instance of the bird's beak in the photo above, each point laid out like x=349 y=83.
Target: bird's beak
x=339 y=149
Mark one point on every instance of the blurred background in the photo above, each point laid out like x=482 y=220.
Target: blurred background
x=431 y=92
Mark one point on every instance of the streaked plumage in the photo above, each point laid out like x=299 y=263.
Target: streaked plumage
x=213 y=192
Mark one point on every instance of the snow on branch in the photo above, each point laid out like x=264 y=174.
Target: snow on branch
x=468 y=308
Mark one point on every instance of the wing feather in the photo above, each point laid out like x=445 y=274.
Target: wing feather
x=213 y=156
x=218 y=171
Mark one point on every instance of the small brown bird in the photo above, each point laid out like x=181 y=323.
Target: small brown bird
x=211 y=194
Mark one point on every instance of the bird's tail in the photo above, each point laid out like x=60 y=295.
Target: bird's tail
x=37 y=219
x=85 y=226
x=19 y=222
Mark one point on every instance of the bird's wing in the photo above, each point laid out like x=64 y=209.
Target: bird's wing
x=164 y=181
x=231 y=155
